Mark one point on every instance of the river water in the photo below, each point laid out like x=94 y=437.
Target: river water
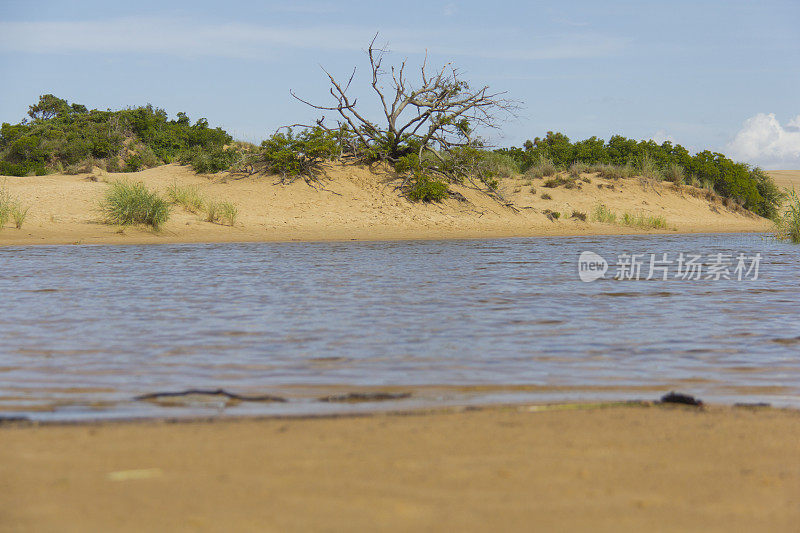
x=86 y=329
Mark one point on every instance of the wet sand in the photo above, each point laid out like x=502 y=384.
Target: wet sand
x=360 y=203
x=590 y=468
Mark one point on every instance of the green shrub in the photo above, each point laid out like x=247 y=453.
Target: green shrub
x=188 y=197
x=209 y=160
x=300 y=155
x=62 y=136
x=603 y=214
x=580 y=215
x=788 y=226
x=425 y=189
x=132 y=203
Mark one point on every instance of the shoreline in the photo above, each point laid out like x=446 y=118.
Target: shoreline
x=570 y=467
x=372 y=235
x=360 y=203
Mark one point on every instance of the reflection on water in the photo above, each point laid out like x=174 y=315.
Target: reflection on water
x=86 y=329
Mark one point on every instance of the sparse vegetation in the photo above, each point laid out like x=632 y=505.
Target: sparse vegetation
x=676 y=174
x=604 y=214
x=128 y=203
x=546 y=196
x=11 y=209
x=579 y=215
x=558 y=181
x=541 y=168
x=641 y=220
x=788 y=226
x=187 y=196
x=221 y=213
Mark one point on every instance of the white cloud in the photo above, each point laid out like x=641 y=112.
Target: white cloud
x=764 y=141
x=251 y=41
x=661 y=136
x=450 y=9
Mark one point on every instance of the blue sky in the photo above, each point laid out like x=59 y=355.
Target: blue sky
x=723 y=75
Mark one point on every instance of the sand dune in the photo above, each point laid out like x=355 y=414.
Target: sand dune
x=355 y=202
x=786 y=179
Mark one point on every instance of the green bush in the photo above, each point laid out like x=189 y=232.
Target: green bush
x=209 y=160
x=64 y=136
x=132 y=203
x=425 y=189
x=617 y=157
x=300 y=155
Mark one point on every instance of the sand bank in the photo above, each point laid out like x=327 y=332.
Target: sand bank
x=504 y=469
x=356 y=203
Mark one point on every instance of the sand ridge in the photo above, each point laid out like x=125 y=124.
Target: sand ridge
x=355 y=202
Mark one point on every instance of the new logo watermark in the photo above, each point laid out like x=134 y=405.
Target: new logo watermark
x=591 y=266
x=664 y=266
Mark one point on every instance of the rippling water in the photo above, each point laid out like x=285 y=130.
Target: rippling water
x=86 y=329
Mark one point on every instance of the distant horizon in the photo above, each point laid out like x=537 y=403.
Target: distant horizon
x=722 y=76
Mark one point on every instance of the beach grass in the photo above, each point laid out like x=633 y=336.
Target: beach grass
x=187 y=196
x=11 y=209
x=221 y=213
x=127 y=203
x=788 y=226
x=641 y=220
x=603 y=214
x=543 y=167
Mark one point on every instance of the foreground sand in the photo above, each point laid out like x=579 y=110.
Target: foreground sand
x=497 y=469
x=356 y=203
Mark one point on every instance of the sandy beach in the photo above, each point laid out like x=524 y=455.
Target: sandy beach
x=565 y=468
x=355 y=202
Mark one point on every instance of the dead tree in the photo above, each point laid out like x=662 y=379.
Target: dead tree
x=434 y=115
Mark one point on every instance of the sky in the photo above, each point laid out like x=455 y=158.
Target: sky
x=718 y=75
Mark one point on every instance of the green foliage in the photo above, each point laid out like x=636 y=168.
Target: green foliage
x=132 y=203
x=300 y=155
x=425 y=189
x=62 y=135
x=208 y=160
x=621 y=157
x=579 y=215
x=788 y=226
x=604 y=214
